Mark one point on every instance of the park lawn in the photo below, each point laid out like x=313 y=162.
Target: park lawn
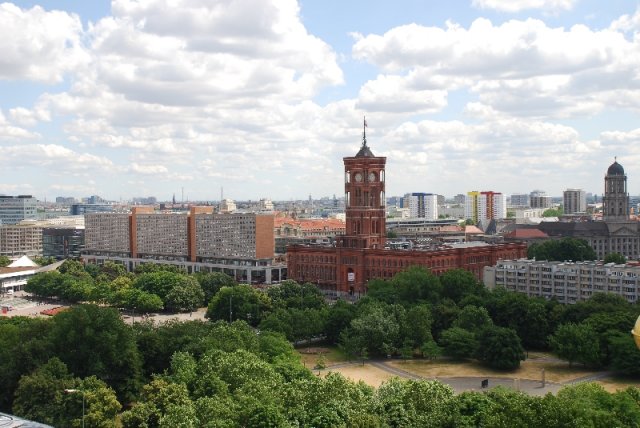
x=332 y=355
x=557 y=372
x=614 y=384
x=366 y=373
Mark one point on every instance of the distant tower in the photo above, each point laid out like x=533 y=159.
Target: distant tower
x=615 y=202
x=174 y=199
x=364 y=199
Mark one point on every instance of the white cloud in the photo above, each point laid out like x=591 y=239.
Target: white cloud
x=514 y=6
x=39 y=45
x=521 y=67
x=148 y=169
x=55 y=157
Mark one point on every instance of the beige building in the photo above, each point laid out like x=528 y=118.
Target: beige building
x=25 y=238
x=241 y=245
x=567 y=282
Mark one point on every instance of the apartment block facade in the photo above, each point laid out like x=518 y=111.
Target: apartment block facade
x=567 y=282
x=241 y=245
x=421 y=205
x=488 y=205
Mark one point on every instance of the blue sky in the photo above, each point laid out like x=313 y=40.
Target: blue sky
x=264 y=98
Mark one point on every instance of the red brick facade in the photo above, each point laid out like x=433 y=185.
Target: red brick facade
x=359 y=255
x=330 y=267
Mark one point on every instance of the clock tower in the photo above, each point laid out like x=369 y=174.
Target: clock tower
x=364 y=199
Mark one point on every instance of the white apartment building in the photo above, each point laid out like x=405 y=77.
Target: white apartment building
x=567 y=282
x=482 y=206
x=421 y=205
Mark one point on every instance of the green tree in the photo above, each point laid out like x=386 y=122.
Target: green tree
x=473 y=318
x=185 y=296
x=417 y=283
x=43 y=261
x=339 y=317
x=616 y=258
x=625 y=356
x=553 y=212
x=416 y=327
x=576 y=343
x=40 y=395
x=4 y=261
x=160 y=282
x=212 y=282
x=562 y=249
x=24 y=346
x=459 y=283
x=377 y=330
x=431 y=350
x=92 y=340
x=241 y=302
x=500 y=348
x=458 y=343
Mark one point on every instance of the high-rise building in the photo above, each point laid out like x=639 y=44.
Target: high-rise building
x=574 y=201
x=615 y=203
x=539 y=199
x=482 y=206
x=14 y=209
x=519 y=200
x=421 y=205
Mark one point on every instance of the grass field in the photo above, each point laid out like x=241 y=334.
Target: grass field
x=557 y=372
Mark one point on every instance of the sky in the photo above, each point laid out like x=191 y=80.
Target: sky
x=263 y=98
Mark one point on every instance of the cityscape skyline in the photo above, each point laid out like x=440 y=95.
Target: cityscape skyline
x=125 y=99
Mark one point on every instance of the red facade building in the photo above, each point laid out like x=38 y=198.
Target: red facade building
x=360 y=254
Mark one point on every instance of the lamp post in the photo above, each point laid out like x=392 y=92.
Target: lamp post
x=74 y=391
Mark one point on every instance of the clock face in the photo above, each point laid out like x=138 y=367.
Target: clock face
x=372 y=176
x=358 y=177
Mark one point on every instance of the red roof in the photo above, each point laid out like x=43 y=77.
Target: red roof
x=526 y=234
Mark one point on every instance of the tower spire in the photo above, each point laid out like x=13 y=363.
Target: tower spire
x=364 y=133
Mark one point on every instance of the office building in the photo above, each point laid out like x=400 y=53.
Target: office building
x=62 y=242
x=574 y=201
x=241 y=245
x=14 y=209
x=82 y=209
x=519 y=200
x=25 y=238
x=539 y=199
x=566 y=282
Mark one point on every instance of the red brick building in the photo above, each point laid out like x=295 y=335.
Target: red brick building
x=360 y=254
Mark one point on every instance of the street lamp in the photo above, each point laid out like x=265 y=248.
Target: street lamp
x=74 y=391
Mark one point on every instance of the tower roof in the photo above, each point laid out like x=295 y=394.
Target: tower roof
x=615 y=169
x=365 y=151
